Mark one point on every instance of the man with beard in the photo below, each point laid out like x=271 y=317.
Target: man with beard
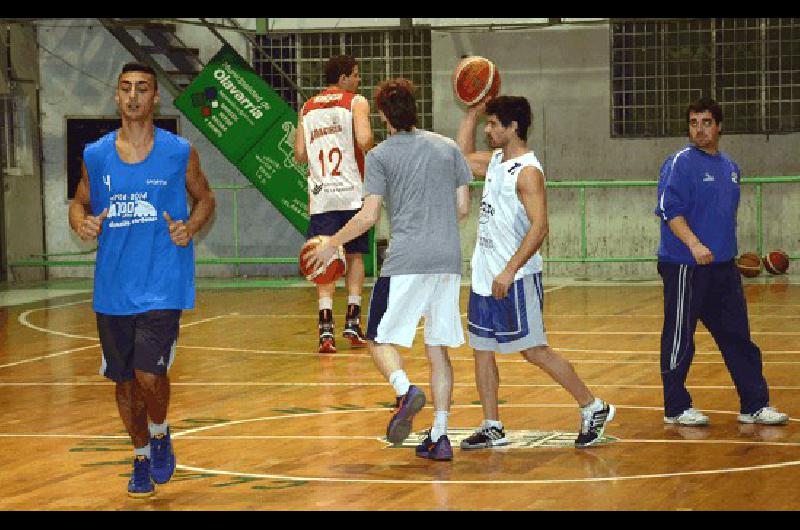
x=507 y=298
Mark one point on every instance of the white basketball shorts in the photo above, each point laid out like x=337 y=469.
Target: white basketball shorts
x=398 y=302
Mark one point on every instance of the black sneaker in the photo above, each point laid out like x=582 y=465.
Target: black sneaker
x=352 y=326
x=593 y=424
x=485 y=437
x=440 y=450
x=327 y=342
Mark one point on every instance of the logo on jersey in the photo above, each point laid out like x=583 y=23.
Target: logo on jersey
x=708 y=178
x=316 y=189
x=512 y=168
x=735 y=177
x=487 y=211
x=129 y=209
x=324 y=131
x=327 y=98
x=160 y=361
x=107 y=181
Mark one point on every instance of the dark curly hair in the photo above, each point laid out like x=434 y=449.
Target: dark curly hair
x=395 y=98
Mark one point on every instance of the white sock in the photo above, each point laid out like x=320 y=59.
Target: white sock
x=326 y=303
x=594 y=406
x=492 y=423
x=353 y=299
x=400 y=382
x=439 y=424
x=158 y=428
x=142 y=451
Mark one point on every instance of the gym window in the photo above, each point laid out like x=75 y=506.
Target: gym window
x=380 y=55
x=751 y=66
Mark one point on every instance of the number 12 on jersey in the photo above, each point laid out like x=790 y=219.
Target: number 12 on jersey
x=336 y=153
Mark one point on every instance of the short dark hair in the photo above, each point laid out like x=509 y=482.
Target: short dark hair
x=338 y=66
x=139 y=67
x=512 y=108
x=395 y=98
x=705 y=104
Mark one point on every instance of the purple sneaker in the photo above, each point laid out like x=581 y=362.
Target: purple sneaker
x=441 y=450
x=407 y=407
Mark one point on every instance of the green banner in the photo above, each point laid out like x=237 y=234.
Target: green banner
x=254 y=128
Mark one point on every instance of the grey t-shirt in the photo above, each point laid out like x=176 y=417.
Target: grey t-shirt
x=417 y=174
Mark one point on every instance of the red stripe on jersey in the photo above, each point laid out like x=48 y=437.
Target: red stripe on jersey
x=329 y=98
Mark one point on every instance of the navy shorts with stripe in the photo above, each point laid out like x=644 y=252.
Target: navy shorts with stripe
x=328 y=223
x=144 y=342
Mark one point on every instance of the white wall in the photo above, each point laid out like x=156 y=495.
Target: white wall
x=563 y=70
x=85 y=87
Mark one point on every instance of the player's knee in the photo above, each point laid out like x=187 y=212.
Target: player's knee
x=538 y=355
x=147 y=380
x=483 y=357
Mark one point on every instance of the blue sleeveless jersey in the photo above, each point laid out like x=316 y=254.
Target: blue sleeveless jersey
x=138 y=267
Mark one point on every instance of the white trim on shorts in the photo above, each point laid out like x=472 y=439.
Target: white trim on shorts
x=533 y=309
x=412 y=296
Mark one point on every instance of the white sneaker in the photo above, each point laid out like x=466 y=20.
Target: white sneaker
x=688 y=417
x=765 y=416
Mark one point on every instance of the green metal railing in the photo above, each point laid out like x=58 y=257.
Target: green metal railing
x=237 y=260
x=758 y=182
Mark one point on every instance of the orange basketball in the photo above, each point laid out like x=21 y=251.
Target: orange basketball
x=749 y=264
x=474 y=79
x=327 y=273
x=776 y=262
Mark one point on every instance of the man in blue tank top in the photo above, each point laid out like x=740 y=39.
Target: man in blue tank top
x=698 y=196
x=132 y=199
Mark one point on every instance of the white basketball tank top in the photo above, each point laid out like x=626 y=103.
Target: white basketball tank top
x=335 y=178
x=502 y=223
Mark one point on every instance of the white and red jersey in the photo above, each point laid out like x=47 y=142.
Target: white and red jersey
x=335 y=162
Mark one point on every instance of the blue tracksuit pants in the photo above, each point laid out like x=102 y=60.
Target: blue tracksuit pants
x=713 y=294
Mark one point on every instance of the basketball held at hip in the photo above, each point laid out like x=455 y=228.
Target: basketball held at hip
x=333 y=269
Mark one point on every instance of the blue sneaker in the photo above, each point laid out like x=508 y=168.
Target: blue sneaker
x=162 y=463
x=441 y=450
x=407 y=407
x=141 y=485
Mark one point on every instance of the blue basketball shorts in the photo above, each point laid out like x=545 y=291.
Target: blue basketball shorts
x=511 y=324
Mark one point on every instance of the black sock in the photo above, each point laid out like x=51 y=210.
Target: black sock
x=353 y=311
x=325 y=316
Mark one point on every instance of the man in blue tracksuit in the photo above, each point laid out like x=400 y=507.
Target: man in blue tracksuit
x=698 y=195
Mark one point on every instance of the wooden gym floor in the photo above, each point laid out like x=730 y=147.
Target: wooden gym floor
x=261 y=421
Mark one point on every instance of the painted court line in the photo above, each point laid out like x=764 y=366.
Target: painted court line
x=23 y=319
x=373 y=437
x=428 y=481
x=500 y=359
x=470 y=384
x=49 y=356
